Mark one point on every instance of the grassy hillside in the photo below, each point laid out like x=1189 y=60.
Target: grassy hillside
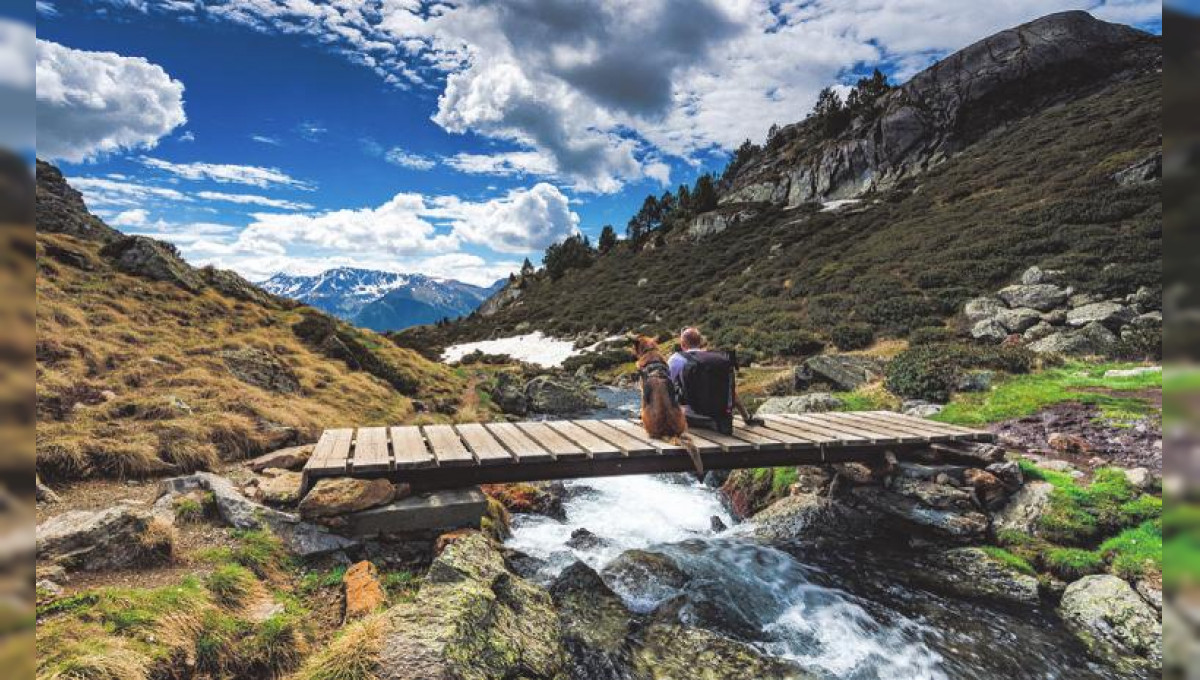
x=1036 y=192
x=137 y=377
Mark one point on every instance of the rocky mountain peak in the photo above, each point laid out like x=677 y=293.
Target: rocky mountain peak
x=943 y=109
x=60 y=208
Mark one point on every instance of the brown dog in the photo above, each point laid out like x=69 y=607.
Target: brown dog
x=662 y=416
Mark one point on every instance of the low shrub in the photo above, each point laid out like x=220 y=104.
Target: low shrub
x=931 y=371
x=231 y=585
x=852 y=336
x=1008 y=559
x=930 y=335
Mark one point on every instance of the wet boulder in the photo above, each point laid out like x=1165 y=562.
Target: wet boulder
x=549 y=394
x=810 y=519
x=595 y=624
x=669 y=651
x=912 y=515
x=645 y=578
x=583 y=539
x=1114 y=622
x=975 y=574
x=472 y=618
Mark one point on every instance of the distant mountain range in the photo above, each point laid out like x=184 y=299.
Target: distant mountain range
x=382 y=301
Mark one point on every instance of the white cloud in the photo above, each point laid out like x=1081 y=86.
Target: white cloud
x=17 y=114
x=228 y=174
x=599 y=94
x=252 y=199
x=99 y=191
x=412 y=161
x=135 y=217
x=93 y=103
x=503 y=164
x=264 y=139
x=410 y=232
x=46 y=8
x=523 y=221
x=310 y=130
x=187 y=136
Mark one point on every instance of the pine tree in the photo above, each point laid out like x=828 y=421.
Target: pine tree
x=608 y=239
x=704 y=197
x=527 y=268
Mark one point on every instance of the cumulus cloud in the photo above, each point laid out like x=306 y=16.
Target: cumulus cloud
x=93 y=103
x=17 y=50
x=135 y=217
x=598 y=94
x=251 y=175
x=405 y=159
x=503 y=164
x=525 y=220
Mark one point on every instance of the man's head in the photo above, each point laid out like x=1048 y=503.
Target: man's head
x=690 y=338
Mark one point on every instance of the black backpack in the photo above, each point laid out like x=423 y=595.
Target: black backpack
x=706 y=385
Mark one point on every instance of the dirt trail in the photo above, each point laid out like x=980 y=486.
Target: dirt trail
x=1136 y=445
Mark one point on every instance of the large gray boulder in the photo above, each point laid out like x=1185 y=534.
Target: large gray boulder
x=1024 y=508
x=548 y=394
x=917 y=517
x=509 y=394
x=1041 y=296
x=808 y=519
x=1111 y=314
x=595 y=624
x=1018 y=320
x=973 y=573
x=262 y=369
x=1114 y=622
x=813 y=402
x=672 y=652
x=1091 y=340
x=119 y=537
x=844 y=372
x=143 y=256
x=1145 y=170
x=645 y=578
x=989 y=330
x=980 y=308
x=300 y=538
x=1035 y=275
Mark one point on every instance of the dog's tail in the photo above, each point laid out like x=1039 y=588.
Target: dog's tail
x=685 y=440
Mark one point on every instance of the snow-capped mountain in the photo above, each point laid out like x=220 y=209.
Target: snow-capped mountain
x=382 y=301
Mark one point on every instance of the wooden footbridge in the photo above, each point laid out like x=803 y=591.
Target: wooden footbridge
x=451 y=456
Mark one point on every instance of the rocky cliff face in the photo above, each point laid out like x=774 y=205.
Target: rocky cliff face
x=947 y=107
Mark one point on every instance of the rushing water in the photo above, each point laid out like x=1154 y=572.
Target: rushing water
x=840 y=616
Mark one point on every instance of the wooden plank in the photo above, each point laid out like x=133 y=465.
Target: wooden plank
x=840 y=437
x=371 y=450
x=447 y=447
x=814 y=435
x=931 y=434
x=409 y=450
x=839 y=428
x=487 y=449
x=942 y=427
x=629 y=446
x=522 y=447
x=904 y=434
x=883 y=434
x=837 y=420
x=330 y=455
x=595 y=446
x=724 y=442
x=552 y=441
x=768 y=438
x=635 y=430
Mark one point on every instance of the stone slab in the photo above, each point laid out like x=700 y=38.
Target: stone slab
x=440 y=511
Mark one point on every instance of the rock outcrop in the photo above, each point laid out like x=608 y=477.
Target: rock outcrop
x=261 y=368
x=596 y=624
x=157 y=260
x=843 y=372
x=564 y=396
x=946 y=107
x=813 y=402
x=973 y=573
x=1114 y=622
x=60 y=208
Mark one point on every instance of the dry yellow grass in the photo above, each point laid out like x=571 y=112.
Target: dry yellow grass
x=353 y=655
x=131 y=383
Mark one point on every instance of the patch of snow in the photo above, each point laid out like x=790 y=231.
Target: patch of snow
x=532 y=348
x=827 y=206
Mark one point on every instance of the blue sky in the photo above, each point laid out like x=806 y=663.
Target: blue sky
x=452 y=139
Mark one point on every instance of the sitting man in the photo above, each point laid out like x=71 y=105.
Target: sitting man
x=707 y=384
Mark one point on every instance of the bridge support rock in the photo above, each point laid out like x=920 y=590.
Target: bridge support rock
x=437 y=511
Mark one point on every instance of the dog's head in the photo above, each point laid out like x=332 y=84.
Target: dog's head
x=643 y=344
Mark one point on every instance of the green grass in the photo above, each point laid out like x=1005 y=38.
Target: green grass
x=1015 y=562
x=314 y=581
x=1074 y=563
x=231 y=585
x=1135 y=552
x=1023 y=395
